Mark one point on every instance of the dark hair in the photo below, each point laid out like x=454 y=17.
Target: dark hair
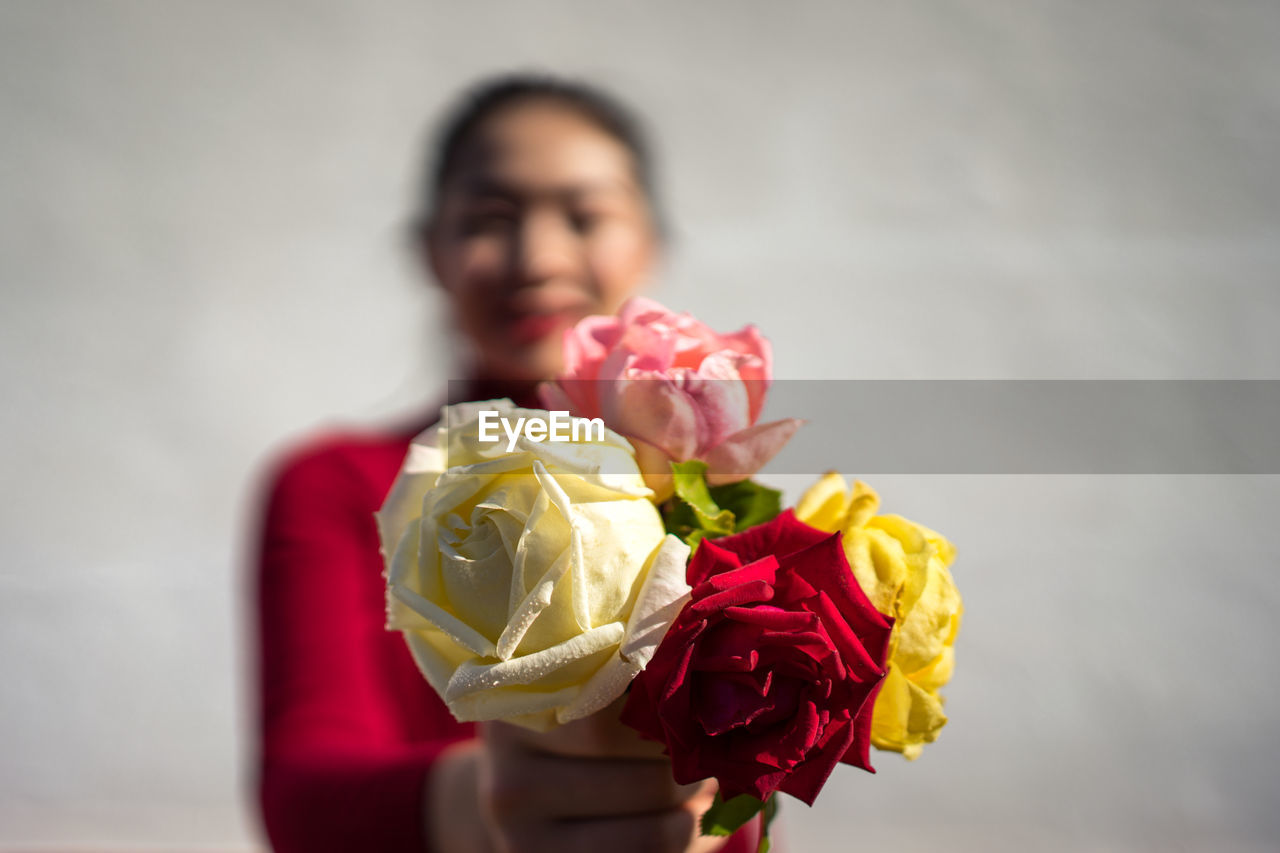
x=493 y=94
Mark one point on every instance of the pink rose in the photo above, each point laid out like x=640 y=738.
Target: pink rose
x=676 y=389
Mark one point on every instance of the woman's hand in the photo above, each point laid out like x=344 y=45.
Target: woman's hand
x=591 y=785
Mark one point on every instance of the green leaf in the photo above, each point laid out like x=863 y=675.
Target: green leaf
x=691 y=487
x=750 y=502
x=724 y=818
x=679 y=519
x=692 y=514
x=770 y=812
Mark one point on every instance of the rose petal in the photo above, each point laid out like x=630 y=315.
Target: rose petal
x=458 y=631
x=436 y=655
x=859 y=751
x=422 y=467
x=709 y=561
x=732 y=573
x=746 y=452
x=784 y=535
x=400 y=571
x=662 y=596
x=745 y=593
x=926 y=628
x=608 y=683
x=866 y=664
x=587 y=344
x=658 y=410
x=728 y=646
x=719 y=400
x=655 y=467
x=808 y=778
x=788 y=746
x=726 y=703
x=534 y=710
x=473 y=675
x=838 y=583
x=824 y=503
x=905 y=716
x=773 y=618
x=641 y=710
x=528 y=610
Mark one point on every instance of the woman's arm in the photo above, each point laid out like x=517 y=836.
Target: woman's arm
x=347 y=738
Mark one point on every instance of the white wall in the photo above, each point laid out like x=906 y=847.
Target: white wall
x=201 y=259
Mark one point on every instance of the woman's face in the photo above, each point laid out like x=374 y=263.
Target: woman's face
x=540 y=224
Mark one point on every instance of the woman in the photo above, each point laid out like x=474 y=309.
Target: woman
x=540 y=211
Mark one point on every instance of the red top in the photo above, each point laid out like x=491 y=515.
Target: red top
x=349 y=726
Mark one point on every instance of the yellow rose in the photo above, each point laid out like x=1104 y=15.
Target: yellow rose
x=902 y=567
x=532 y=578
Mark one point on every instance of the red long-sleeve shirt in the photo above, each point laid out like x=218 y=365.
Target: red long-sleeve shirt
x=349 y=727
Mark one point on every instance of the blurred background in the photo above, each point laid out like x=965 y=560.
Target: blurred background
x=201 y=212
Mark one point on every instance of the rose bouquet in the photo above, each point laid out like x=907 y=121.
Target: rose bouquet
x=543 y=563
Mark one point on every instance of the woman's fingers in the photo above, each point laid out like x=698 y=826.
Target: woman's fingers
x=592 y=784
x=667 y=832
x=557 y=787
x=600 y=735
x=660 y=833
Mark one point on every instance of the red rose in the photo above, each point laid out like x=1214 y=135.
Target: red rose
x=768 y=676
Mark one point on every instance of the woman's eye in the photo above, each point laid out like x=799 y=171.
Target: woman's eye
x=583 y=222
x=487 y=221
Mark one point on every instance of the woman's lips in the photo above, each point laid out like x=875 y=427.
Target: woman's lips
x=525 y=328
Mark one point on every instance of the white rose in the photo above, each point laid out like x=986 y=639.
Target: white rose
x=531 y=585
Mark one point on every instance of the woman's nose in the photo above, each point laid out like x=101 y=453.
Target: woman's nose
x=545 y=247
